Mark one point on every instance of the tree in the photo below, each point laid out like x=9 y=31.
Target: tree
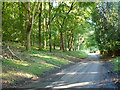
x=1 y=25
x=106 y=33
x=40 y=43
x=50 y=40
x=31 y=16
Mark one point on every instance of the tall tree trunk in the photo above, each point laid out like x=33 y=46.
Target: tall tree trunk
x=119 y=19
x=65 y=41
x=45 y=41
x=60 y=46
x=30 y=21
x=28 y=38
x=2 y=5
x=21 y=24
x=45 y=26
x=68 y=43
x=13 y=17
x=79 y=44
x=28 y=29
x=54 y=42
x=73 y=44
x=71 y=41
x=50 y=40
x=40 y=43
x=70 y=46
x=43 y=35
x=47 y=31
x=61 y=35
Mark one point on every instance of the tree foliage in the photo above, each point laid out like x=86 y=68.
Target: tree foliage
x=68 y=25
x=107 y=32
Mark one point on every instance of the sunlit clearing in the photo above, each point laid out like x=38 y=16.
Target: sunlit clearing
x=20 y=62
x=47 y=64
x=36 y=55
x=18 y=74
x=43 y=56
x=49 y=57
x=71 y=56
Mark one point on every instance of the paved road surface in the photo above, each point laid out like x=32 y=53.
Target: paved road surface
x=86 y=74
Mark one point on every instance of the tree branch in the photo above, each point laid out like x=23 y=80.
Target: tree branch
x=68 y=13
x=70 y=8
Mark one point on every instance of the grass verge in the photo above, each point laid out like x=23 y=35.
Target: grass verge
x=34 y=63
x=116 y=63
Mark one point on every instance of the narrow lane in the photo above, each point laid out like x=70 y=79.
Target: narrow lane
x=87 y=74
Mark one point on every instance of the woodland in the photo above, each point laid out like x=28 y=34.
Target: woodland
x=68 y=25
x=49 y=32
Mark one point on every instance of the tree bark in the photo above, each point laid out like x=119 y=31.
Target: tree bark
x=68 y=43
x=43 y=34
x=40 y=43
x=54 y=42
x=21 y=24
x=28 y=29
x=60 y=46
x=70 y=46
x=2 y=5
x=65 y=41
x=61 y=35
x=71 y=41
x=30 y=20
x=45 y=26
x=50 y=40
x=28 y=38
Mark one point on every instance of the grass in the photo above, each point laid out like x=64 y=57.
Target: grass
x=79 y=54
x=34 y=63
x=116 y=63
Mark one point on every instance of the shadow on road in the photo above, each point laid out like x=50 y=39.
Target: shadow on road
x=86 y=74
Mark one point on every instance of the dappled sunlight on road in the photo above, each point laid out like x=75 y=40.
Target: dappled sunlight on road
x=84 y=74
x=73 y=85
x=72 y=73
x=88 y=74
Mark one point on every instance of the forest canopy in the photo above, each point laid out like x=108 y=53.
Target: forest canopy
x=66 y=25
